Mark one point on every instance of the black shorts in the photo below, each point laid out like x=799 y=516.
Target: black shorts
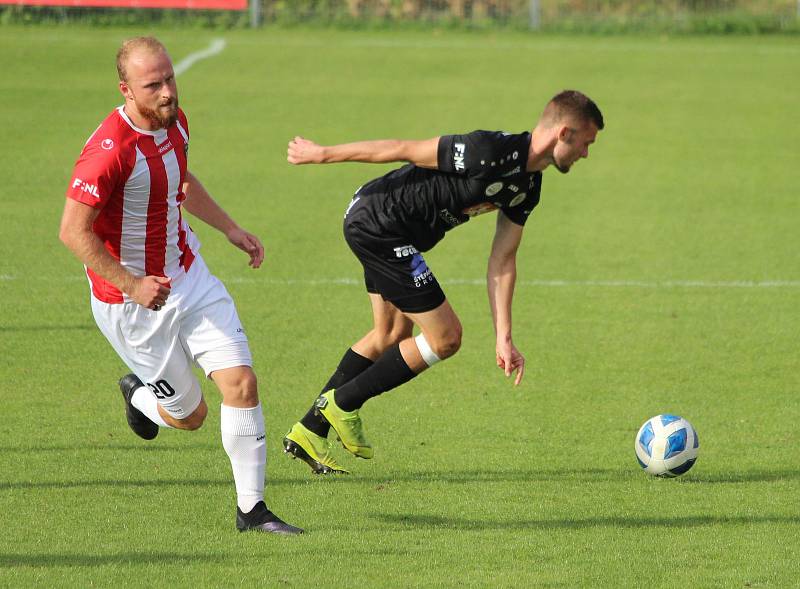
x=393 y=268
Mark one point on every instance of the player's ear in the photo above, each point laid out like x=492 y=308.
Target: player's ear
x=564 y=133
x=124 y=89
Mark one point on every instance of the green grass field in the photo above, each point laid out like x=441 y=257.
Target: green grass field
x=660 y=275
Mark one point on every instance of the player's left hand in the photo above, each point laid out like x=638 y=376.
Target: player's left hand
x=248 y=243
x=509 y=360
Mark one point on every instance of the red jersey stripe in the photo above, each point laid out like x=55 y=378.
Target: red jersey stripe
x=176 y=137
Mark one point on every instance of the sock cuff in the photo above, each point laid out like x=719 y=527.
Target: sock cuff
x=352 y=360
x=401 y=363
x=239 y=421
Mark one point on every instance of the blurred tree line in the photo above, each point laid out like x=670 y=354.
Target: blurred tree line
x=563 y=16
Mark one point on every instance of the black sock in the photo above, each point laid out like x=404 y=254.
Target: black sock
x=388 y=372
x=351 y=365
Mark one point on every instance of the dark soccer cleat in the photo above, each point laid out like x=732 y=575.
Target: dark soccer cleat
x=138 y=421
x=261 y=519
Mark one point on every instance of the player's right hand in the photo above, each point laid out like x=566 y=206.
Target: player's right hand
x=303 y=151
x=150 y=292
x=510 y=360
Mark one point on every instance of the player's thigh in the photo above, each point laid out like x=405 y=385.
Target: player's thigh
x=388 y=319
x=441 y=328
x=149 y=343
x=211 y=329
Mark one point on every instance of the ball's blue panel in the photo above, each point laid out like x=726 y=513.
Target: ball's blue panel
x=678 y=470
x=676 y=443
x=666 y=419
x=646 y=439
x=696 y=440
x=642 y=464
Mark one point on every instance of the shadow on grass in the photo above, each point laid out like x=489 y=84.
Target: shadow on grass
x=473 y=476
x=429 y=478
x=589 y=475
x=54 y=327
x=117 y=483
x=96 y=560
x=435 y=521
x=743 y=477
x=143 y=447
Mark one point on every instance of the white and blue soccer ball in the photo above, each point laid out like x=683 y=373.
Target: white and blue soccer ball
x=666 y=446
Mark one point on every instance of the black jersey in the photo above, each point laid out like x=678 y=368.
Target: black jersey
x=477 y=172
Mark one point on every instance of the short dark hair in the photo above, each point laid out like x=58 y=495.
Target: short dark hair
x=571 y=103
x=129 y=46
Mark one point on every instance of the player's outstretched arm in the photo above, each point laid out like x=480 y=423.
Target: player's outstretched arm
x=420 y=153
x=76 y=233
x=500 y=279
x=200 y=204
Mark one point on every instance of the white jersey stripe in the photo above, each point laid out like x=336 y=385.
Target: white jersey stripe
x=183 y=132
x=173 y=254
x=134 y=216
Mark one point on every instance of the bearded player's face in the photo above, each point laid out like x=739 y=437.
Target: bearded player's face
x=152 y=89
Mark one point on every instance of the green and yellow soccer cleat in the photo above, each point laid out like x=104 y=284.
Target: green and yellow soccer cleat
x=347 y=424
x=312 y=449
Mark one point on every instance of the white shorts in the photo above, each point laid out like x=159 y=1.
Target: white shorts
x=197 y=325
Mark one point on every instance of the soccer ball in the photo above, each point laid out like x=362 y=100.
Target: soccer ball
x=666 y=446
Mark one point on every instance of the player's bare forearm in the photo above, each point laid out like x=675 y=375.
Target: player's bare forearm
x=76 y=233
x=500 y=280
x=88 y=248
x=200 y=204
x=501 y=277
x=374 y=152
x=421 y=153
x=502 y=273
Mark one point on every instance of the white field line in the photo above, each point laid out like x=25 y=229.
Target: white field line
x=654 y=284
x=216 y=47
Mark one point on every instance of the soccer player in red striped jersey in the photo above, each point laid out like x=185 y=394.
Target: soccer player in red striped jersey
x=152 y=295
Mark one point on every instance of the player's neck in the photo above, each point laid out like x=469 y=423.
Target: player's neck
x=540 y=152
x=138 y=119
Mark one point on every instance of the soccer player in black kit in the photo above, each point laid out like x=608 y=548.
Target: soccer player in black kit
x=393 y=219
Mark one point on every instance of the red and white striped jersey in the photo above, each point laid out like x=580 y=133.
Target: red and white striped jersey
x=135 y=178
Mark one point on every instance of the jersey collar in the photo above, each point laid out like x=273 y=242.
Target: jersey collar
x=157 y=133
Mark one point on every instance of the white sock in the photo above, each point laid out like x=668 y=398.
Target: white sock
x=243 y=440
x=145 y=402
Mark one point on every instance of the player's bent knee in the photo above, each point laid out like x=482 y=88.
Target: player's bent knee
x=195 y=420
x=448 y=344
x=447 y=347
x=239 y=388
